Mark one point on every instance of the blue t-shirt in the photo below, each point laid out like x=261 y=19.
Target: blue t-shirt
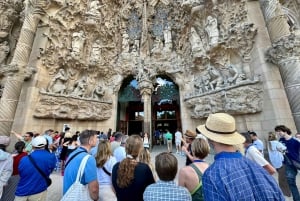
x=90 y=170
x=292 y=147
x=233 y=177
x=31 y=181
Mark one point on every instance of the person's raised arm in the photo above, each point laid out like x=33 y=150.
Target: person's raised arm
x=19 y=136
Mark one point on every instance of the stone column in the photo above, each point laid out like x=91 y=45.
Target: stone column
x=285 y=52
x=275 y=19
x=146 y=89
x=17 y=71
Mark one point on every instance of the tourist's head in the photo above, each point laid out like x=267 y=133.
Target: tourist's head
x=145 y=156
x=123 y=140
x=88 y=138
x=166 y=166
x=200 y=148
x=221 y=128
x=118 y=136
x=20 y=146
x=271 y=136
x=134 y=145
x=28 y=136
x=248 y=138
x=253 y=135
x=4 y=142
x=190 y=135
x=39 y=142
x=103 y=152
x=282 y=130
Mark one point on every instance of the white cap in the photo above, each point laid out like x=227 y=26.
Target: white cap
x=39 y=141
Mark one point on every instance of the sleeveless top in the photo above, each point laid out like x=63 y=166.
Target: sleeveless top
x=197 y=193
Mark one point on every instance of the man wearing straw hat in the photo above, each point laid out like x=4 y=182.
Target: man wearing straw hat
x=232 y=176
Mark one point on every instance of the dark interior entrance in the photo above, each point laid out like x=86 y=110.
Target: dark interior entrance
x=165 y=106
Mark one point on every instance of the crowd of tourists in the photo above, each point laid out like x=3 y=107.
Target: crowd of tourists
x=115 y=166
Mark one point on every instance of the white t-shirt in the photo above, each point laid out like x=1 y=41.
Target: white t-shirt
x=178 y=137
x=253 y=154
x=103 y=178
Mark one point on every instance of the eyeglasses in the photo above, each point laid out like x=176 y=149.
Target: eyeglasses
x=26 y=136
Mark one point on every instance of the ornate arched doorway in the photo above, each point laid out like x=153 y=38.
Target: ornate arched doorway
x=165 y=106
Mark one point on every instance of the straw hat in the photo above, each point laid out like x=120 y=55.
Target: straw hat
x=220 y=127
x=4 y=140
x=190 y=134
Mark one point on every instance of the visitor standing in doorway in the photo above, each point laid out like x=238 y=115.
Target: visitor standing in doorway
x=169 y=138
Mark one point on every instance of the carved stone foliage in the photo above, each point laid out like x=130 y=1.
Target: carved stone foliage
x=59 y=107
x=245 y=99
x=285 y=48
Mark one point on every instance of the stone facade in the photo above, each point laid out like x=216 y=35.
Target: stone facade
x=63 y=62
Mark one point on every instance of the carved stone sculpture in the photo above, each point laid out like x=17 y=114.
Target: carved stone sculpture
x=58 y=82
x=212 y=31
x=196 y=43
x=98 y=92
x=4 y=50
x=80 y=87
x=78 y=39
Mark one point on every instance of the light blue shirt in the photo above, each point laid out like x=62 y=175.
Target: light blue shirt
x=166 y=191
x=90 y=170
x=120 y=153
x=259 y=145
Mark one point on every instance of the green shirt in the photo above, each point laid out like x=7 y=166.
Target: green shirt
x=169 y=136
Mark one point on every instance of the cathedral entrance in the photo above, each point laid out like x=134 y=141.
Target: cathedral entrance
x=165 y=106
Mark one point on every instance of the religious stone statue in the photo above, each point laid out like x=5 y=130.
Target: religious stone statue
x=80 y=87
x=212 y=31
x=58 y=82
x=4 y=50
x=233 y=75
x=78 y=39
x=94 y=8
x=98 y=91
x=216 y=78
x=96 y=52
x=125 y=42
x=196 y=43
x=168 y=38
x=157 y=46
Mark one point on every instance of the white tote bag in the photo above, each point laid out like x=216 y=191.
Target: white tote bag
x=78 y=191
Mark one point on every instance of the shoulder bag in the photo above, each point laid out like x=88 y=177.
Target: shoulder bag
x=47 y=179
x=78 y=191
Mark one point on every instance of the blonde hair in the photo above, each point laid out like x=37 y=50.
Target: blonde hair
x=125 y=174
x=271 y=136
x=200 y=148
x=103 y=153
x=145 y=156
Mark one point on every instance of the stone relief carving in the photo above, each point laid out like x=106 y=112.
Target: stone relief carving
x=66 y=108
x=239 y=100
x=182 y=43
